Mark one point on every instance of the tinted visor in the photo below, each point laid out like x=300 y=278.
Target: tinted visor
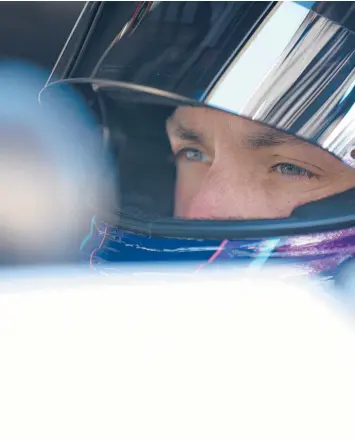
x=288 y=64
x=175 y=159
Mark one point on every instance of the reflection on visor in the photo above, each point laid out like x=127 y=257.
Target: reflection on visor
x=279 y=63
x=298 y=75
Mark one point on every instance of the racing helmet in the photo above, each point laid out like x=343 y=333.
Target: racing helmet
x=228 y=126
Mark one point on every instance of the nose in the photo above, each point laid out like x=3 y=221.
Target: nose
x=215 y=200
x=230 y=189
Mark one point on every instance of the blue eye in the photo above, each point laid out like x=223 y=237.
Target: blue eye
x=292 y=170
x=192 y=155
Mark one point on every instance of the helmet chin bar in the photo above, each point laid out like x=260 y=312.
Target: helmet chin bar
x=326 y=215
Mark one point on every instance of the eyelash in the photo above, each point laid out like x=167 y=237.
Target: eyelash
x=179 y=153
x=300 y=172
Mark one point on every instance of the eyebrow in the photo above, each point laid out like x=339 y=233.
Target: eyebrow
x=269 y=137
x=185 y=133
x=261 y=138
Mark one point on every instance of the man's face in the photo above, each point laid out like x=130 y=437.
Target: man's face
x=229 y=167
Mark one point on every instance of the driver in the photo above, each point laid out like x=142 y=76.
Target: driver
x=280 y=153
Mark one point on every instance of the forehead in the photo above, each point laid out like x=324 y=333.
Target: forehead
x=209 y=121
x=199 y=116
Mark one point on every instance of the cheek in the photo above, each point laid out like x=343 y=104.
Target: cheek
x=280 y=200
x=283 y=194
x=244 y=192
x=286 y=195
x=189 y=179
x=217 y=196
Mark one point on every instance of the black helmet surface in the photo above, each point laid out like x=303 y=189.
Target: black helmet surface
x=223 y=120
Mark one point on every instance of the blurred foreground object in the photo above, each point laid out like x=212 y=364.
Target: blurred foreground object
x=173 y=357
x=47 y=170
